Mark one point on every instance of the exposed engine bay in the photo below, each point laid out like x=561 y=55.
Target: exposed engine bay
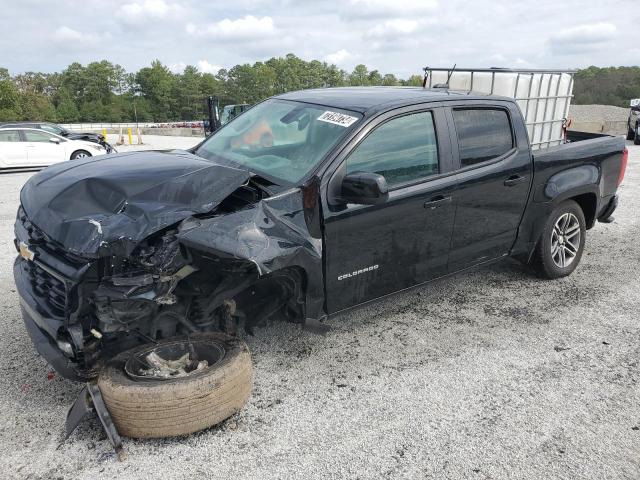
x=223 y=268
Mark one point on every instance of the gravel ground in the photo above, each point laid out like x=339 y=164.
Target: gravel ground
x=598 y=113
x=488 y=374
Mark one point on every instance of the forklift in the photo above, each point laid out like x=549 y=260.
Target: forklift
x=216 y=118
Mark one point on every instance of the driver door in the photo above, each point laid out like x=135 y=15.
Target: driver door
x=374 y=250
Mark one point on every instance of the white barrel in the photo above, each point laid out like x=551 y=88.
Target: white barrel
x=543 y=97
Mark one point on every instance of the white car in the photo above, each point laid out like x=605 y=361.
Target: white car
x=32 y=148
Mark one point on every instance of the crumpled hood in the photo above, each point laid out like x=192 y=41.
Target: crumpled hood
x=101 y=206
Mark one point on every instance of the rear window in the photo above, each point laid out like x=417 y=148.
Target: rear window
x=483 y=134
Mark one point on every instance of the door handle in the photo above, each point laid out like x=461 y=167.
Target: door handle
x=514 y=180
x=437 y=201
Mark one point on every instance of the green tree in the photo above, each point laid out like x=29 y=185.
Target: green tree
x=37 y=107
x=389 y=80
x=413 y=81
x=156 y=85
x=66 y=109
x=375 y=78
x=9 y=97
x=360 y=76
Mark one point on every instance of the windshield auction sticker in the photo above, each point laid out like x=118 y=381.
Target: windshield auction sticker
x=337 y=118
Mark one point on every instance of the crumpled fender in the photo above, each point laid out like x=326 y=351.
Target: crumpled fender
x=273 y=235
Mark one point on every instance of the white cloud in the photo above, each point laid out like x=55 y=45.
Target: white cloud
x=138 y=11
x=245 y=28
x=177 y=67
x=367 y=9
x=596 y=32
x=393 y=29
x=471 y=34
x=74 y=38
x=583 y=38
x=338 y=57
x=65 y=33
x=203 y=66
x=206 y=67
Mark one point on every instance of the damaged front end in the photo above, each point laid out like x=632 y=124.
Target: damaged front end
x=205 y=248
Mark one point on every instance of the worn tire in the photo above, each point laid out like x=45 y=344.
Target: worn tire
x=167 y=408
x=543 y=262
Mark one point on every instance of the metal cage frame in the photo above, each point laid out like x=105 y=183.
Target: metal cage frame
x=539 y=95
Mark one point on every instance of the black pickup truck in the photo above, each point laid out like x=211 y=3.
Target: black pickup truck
x=308 y=204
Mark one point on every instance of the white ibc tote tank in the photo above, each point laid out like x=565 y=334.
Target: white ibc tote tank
x=542 y=95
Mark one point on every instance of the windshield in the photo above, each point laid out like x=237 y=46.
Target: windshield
x=279 y=138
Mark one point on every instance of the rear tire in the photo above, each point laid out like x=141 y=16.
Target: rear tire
x=80 y=154
x=560 y=247
x=154 y=408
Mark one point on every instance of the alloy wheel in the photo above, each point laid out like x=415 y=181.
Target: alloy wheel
x=565 y=240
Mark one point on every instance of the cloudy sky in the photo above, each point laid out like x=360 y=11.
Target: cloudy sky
x=393 y=36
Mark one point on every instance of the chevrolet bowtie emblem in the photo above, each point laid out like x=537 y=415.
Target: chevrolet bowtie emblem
x=26 y=252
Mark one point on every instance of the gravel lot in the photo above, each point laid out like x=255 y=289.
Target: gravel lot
x=489 y=374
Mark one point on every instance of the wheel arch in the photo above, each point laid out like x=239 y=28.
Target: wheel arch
x=588 y=202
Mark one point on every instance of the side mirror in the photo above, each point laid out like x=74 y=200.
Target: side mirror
x=364 y=188
x=54 y=140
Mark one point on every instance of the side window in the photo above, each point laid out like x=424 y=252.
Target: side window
x=483 y=134
x=33 y=136
x=9 y=136
x=401 y=150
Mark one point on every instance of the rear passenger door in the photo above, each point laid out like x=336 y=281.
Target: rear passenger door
x=13 y=151
x=373 y=250
x=494 y=174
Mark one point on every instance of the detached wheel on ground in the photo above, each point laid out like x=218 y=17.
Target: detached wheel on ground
x=559 y=251
x=80 y=154
x=178 y=386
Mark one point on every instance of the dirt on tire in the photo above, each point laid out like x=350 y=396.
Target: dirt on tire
x=178 y=406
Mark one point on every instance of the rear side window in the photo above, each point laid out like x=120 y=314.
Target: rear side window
x=9 y=136
x=483 y=134
x=402 y=150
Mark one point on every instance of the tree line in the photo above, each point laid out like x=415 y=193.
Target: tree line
x=106 y=92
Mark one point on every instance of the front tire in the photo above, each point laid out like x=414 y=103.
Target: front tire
x=80 y=154
x=155 y=407
x=636 y=136
x=560 y=248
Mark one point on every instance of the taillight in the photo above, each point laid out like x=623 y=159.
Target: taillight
x=623 y=165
